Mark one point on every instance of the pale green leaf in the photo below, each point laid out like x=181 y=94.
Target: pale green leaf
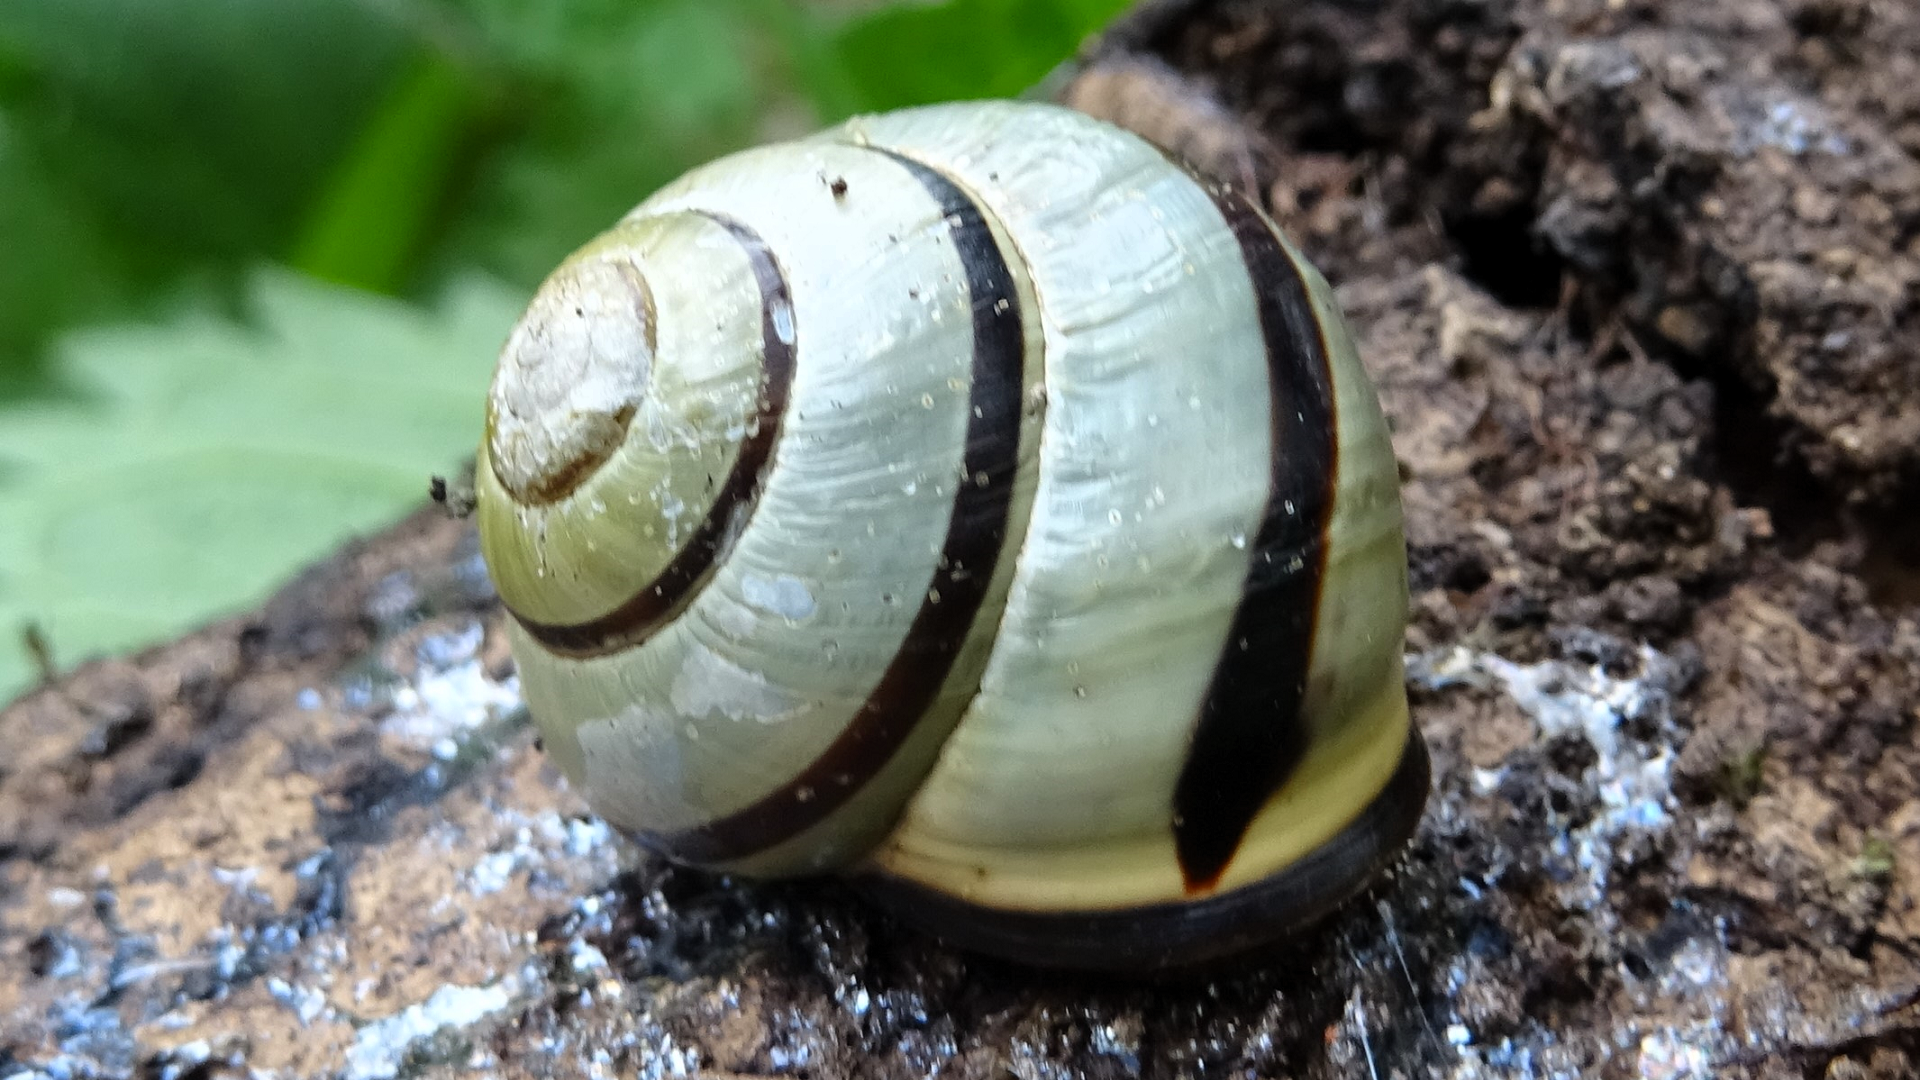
x=198 y=463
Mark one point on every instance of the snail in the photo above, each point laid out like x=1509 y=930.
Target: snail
x=972 y=501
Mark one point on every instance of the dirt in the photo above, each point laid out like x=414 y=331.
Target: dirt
x=1637 y=281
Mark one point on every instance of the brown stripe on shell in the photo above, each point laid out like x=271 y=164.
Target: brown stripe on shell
x=637 y=617
x=1250 y=734
x=975 y=534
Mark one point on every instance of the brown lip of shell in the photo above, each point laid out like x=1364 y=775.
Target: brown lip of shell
x=1185 y=938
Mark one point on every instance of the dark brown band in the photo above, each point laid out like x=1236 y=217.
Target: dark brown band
x=642 y=613
x=975 y=535
x=1250 y=733
x=1189 y=933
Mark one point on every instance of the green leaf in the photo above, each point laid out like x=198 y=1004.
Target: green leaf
x=617 y=97
x=61 y=264
x=912 y=54
x=198 y=463
x=372 y=221
x=621 y=96
x=154 y=141
x=150 y=147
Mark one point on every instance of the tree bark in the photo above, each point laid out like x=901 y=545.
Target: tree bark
x=1637 y=281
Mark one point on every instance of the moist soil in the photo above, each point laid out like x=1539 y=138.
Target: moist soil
x=1637 y=281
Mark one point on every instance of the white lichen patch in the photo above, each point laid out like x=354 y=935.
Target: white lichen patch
x=380 y=1048
x=1632 y=778
x=544 y=847
x=1797 y=126
x=1627 y=718
x=450 y=696
x=307 y=1002
x=1668 y=1055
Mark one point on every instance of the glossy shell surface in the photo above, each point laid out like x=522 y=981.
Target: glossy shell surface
x=971 y=499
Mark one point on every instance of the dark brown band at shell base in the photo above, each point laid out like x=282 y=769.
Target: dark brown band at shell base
x=653 y=603
x=1191 y=933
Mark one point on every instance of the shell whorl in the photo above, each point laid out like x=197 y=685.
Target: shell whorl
x=571 y=378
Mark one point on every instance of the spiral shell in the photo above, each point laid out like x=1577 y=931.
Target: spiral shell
x=971 y=500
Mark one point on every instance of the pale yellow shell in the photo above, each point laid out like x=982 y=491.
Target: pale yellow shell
x=970 y=497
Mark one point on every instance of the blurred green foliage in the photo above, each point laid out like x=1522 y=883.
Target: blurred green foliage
x=314 y=220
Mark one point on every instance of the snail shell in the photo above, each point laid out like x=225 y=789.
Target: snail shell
x=971 y=500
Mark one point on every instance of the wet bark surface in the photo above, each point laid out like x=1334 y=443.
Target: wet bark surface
x=1637 y=281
